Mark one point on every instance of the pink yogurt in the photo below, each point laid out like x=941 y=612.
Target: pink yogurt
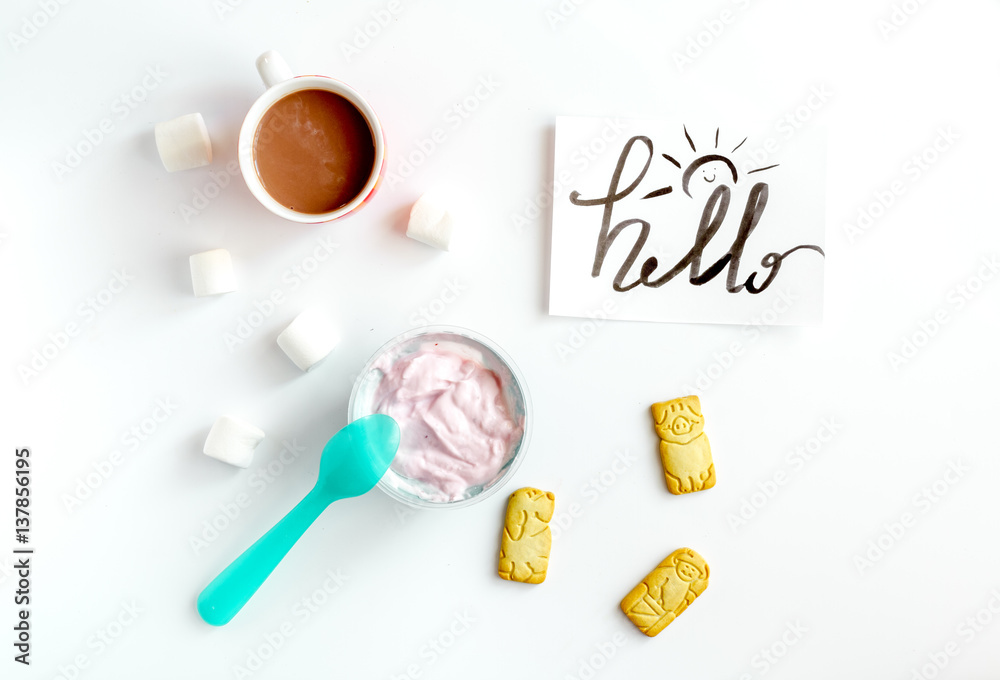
x=457 y=430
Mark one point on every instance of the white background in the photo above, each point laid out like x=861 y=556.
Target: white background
x=414 y=579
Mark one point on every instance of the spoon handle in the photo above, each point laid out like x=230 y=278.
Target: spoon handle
x=221 y=599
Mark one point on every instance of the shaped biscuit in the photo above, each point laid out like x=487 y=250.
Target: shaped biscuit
x=684 y=450
x=666 y=591
x=527 y=539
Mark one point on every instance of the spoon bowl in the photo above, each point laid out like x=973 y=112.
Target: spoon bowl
x=356 y=458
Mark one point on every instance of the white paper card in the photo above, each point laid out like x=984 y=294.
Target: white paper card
x=683 y=221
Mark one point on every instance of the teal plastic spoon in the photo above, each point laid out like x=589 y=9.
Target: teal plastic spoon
x=352 y=463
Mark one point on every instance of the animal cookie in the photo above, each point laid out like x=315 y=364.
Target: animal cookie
x=666 y=591
x=527 y=539
x=684 y=451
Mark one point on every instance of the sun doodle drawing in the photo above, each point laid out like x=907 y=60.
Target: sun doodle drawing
x=709 y=168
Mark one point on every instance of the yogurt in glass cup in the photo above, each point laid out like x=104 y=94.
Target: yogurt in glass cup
x=422 y=377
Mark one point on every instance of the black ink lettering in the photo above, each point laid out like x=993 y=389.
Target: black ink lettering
x=712 y=217
x=711 y=222
x=605 y=239
x=773 y=262
x=632 y=254
x=659 y=192
x=756 y=202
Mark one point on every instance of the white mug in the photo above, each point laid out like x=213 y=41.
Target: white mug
x=280 y=82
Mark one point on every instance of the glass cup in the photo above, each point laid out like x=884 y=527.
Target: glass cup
x=419 y=494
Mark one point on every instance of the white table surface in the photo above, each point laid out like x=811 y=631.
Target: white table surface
x=114 y=576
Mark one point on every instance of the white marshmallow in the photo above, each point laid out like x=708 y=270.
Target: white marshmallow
x=308 y=339
x=212 y=273
x=430 y=222
x=232 y=441
x=183 y=143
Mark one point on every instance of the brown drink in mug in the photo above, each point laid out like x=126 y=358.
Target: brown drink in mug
x=311 y=148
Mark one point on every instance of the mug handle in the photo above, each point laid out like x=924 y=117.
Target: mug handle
x=273 y=69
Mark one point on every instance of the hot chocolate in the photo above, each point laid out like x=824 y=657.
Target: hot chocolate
x=314 y=151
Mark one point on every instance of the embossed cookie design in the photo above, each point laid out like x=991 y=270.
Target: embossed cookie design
x=527 y=539
x=684 y=450
x=666 y=591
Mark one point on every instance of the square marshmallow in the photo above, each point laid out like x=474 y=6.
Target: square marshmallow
x=233 y=441
x=183 y=143
x=308 y=339
x=212 y=273
x=430 y=222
